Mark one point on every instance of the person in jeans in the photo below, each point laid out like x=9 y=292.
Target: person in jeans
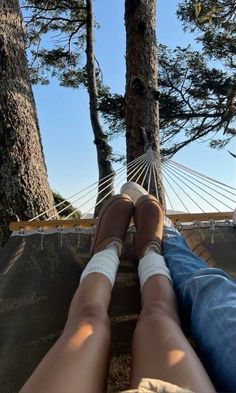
x=162 y=358
x=207 y=296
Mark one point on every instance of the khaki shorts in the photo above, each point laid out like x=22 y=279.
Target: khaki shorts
x=148 y=385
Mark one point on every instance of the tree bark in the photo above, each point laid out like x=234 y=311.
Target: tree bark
x=24 y=188
x=141 y=97
x=100 y=138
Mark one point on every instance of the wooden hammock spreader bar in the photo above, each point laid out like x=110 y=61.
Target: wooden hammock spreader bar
x=87 y=223
x=60 y=224
x=191 y=217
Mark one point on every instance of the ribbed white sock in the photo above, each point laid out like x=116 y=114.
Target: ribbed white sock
x=152 y=263
x=105 y=262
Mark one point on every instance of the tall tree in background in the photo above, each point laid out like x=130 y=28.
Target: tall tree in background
x=103 y=149
x=141 y=96
x=24 y=188
x=69 y=27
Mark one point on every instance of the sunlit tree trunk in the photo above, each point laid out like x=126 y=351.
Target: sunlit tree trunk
x=24 y=188
x=141 y=96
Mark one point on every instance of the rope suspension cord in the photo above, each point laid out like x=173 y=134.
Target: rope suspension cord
x=197 y=193
x=198 y=174
x=145 y=166
x=98 y=203
x=108 y=178
x=140 y=167
x=155 y=179
x=144 y=169
x=149 y=177
x=69 y=198
x=146 y=173
x=154 y=169
x=180 y=171
x=168 y=198
x=174 y=171
x=185 y=207
x=184 y=191
x=101 y=190
x=135 y=170
x=137 y=165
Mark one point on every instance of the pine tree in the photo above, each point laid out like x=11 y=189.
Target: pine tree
x=24 y=188
x=103 y=149
x=141 y=96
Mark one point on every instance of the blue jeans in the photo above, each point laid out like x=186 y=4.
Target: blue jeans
x=208 y=298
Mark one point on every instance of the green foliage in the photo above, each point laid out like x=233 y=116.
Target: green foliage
x=56 y=37
x=112 y=108
x=55 y=34
x=74 y=78
x=194 y=102
x=215 y=21
x=64 y=204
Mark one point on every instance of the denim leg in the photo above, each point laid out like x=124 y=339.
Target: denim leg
x=208 y=297
x=181 y=261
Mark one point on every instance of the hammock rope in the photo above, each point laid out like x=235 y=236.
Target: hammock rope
x=94 y=185
x=187 y=191
x=135 y=171
x=180 y=171
x=199 y=187
x=198 y=174
x=177 y=195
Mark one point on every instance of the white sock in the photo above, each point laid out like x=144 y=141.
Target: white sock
x=152 y=263
x=105 y=262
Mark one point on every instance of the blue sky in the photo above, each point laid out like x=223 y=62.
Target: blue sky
x=64 y=118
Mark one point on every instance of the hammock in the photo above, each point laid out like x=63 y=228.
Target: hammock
x=40 y=267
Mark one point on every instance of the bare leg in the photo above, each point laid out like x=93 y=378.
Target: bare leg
x=160 y=349
x=78 y=361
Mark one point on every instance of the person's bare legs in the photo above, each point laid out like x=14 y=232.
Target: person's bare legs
x=160 y=350
x=78 y=361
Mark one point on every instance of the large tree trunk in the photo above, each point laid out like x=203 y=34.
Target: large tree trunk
x=100 y=138
x=24 y=188
x=141 y=97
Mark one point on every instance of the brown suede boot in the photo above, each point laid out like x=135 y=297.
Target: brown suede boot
x=148 y=219
x=113 y=221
